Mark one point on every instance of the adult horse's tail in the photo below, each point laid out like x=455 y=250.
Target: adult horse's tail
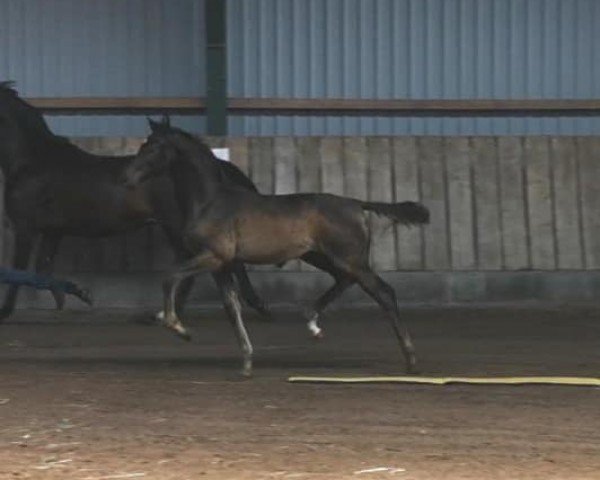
x=406 y=213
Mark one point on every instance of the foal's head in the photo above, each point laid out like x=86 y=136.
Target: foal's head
x=153 y=159
x=167 y=146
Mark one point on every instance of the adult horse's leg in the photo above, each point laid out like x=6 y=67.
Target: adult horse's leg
x=234 y=311
x=342 y=282
x=248 y=292
x=23 y=245
x=385 y=296
x=45 y=263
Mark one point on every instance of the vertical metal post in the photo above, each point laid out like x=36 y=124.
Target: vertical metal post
x=2 y=220
x=216 y=67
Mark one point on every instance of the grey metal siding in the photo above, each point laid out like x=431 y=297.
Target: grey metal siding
x=311 y=48
x=424 y=49
x=103 y=48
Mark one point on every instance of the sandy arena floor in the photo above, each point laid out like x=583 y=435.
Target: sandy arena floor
x=94 y=396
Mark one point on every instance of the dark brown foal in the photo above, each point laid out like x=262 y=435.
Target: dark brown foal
x=227 y=225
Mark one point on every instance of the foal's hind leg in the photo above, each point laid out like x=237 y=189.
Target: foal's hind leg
x=385 y=296
x=234 y=311
x=248 y=292
x=341 y=285
x=342 y=282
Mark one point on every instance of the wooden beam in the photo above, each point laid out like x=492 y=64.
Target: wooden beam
x=117 y=104
x=327 y=106
x=407 y=107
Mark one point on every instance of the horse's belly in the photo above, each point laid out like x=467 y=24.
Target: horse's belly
x=94 y=213
x=271 y=257
x=269 y=243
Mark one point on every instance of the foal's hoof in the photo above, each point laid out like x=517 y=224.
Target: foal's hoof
x=247 y=368
x=179 y=330
x=411 y=368
x=183 y=334
x=318 y=335
x=265 y=314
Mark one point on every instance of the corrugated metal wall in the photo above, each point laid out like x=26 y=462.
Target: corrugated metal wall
x=311 y=48
x=104 y=48
x=414 y=49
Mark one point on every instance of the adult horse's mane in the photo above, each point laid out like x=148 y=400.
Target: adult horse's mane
x=27 y=116
x=9 y=86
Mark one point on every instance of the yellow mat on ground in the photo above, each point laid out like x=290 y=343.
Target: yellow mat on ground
x=575 y=381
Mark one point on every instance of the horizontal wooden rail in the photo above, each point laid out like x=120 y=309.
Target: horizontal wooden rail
x=324 y=107
x=406 y=107
x=117 y=104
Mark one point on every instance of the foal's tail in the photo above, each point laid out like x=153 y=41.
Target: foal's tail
x=406 y=213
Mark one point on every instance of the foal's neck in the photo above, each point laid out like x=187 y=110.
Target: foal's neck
x=197 y=176
x=193 y=188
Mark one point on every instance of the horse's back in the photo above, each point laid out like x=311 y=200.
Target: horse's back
x=272 y=229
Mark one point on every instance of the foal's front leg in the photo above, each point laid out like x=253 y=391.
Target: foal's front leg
x=233 y=306
x=224 y=278
x=200 y=262
x=170 y=289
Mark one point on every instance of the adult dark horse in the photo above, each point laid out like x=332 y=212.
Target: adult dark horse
x=227 y=224
x=55 y=189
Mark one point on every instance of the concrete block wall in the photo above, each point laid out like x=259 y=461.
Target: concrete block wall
x=512 y=218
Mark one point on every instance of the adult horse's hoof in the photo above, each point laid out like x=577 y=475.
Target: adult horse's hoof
x=5 y=313
x=59 y=298
x=85 y=296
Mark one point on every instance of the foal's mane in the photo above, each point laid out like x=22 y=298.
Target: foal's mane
x=230 y=174
x=165 y=128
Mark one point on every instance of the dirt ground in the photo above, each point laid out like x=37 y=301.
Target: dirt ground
x=95 y=395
